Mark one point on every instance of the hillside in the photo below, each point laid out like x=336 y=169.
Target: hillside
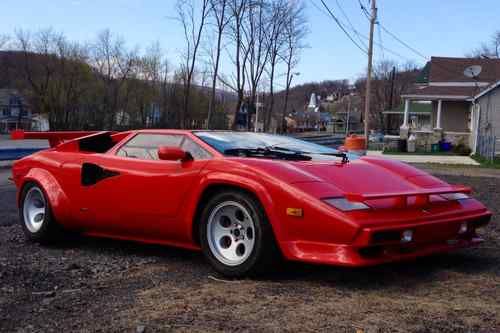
x=299 y=95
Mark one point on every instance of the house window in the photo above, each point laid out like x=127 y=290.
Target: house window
x=6 y=112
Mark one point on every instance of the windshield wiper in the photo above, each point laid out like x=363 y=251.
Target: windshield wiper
x=340 y=154
x=282 y=154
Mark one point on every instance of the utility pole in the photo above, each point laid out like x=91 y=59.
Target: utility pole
x=393 y=77
x=348 y=115
x=373 y=20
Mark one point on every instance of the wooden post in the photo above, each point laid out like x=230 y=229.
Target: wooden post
x=373 y=20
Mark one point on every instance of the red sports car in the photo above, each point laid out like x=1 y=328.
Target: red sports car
x=244 y=199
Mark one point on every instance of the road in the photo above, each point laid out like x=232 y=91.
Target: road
x=88 y=285
x=6 y=142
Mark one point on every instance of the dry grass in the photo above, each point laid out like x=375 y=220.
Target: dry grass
x=118 y=286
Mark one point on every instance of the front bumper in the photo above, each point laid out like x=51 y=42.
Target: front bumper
x=368 y=249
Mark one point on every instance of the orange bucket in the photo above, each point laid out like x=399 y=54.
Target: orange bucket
x=355 y=144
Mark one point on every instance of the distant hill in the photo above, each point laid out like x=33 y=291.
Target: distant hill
x=299 y=95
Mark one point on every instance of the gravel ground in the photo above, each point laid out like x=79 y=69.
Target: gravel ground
x=102 y=285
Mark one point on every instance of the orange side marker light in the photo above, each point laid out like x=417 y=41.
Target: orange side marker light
x=297 y=212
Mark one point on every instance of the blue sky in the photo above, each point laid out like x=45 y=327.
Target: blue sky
x=444 y=28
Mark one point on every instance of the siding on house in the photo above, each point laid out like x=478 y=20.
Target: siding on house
x=489 y=120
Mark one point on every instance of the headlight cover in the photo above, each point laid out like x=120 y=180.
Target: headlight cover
x=455 y=196
x=345 y=205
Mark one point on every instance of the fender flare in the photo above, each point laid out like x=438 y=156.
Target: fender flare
x=58 y=200
x=245 y=183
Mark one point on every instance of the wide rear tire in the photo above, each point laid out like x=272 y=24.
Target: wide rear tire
x=235 y=235
x=35 y=215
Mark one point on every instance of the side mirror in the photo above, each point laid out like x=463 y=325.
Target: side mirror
x=173 y=154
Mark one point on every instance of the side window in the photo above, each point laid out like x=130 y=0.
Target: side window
x=145 y=146
x=195 y=149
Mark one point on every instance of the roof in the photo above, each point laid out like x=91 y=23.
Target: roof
x=488 y=89
x=446 y=69
x=459 y=93
x=443 y=78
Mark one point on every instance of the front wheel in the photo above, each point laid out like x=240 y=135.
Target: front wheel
x=236 y=237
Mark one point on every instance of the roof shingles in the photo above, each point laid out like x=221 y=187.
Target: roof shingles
x=451 y=70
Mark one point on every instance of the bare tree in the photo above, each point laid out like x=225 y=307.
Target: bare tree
x=238 y=10
x=113 y=63
x=255 y=28
x=193 y=29
x=490 y=49
x=72 y=81
x=165 y=91
x=275 y=42
x=295 y=30
x=4 y=39
x=384 y=82
x=38 y=70
x=218 y=11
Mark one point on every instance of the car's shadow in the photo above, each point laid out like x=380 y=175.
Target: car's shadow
x=407 y=274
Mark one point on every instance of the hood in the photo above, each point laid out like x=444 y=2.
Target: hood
x=366 y=175
x=372 y=175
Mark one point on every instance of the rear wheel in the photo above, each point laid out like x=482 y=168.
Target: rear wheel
x=35 y=215
x=236 y=237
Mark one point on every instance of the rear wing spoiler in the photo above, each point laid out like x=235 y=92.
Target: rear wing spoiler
x=421 y=195
x=54 y=138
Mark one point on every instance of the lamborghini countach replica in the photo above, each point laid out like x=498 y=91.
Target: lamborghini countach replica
x=246 y=200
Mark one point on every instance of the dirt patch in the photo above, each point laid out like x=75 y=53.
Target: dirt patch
x=103 y=285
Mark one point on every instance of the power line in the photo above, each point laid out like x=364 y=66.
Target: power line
x=357 y=33
x=402 y=42
x=381 y=42
x=413 y=49
x=394 y=53
x=364 y=10
x=350 y=23
x=341 y=26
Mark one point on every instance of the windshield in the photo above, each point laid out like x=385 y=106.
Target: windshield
x=227 y=141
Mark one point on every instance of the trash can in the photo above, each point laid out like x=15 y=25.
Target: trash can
x=412 y=142
x=355 y=144
x=445 y=146
x=435 y=147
